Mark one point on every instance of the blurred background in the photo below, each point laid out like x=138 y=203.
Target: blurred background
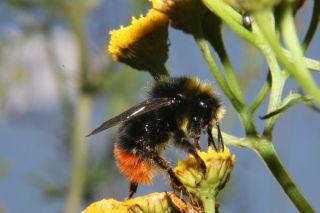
x=57 y=83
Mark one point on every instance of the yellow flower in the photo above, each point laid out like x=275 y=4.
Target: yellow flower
x=142 y=45
x=106 y=205
x=155 y=202
x=219 y=166
x=185 y=15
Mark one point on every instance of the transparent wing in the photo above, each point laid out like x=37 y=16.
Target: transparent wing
x=139 y=109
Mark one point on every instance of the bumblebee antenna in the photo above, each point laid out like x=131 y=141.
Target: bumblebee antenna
x=220 y=140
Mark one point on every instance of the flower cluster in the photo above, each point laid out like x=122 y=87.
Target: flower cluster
x=219 y=166
x=155 y=202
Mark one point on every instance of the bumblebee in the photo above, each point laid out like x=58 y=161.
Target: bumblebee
x=176 y=111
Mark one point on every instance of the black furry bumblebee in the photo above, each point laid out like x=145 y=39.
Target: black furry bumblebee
x=178 y=109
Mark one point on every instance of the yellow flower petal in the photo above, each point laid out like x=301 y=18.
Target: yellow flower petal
x=142 y=45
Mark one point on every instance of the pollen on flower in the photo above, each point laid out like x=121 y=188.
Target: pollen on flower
x=143 y=44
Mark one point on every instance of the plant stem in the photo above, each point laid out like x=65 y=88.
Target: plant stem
x=208 y=203
x=278 y=80
x=79 y=146
x=76 y=15
x=232 y=140
x=231 y=17
x=204 y=47
x=269 y=155
x=313 y=25
x=61 y=83
x=217 y=42
x=292 y=41
x=261 y=96
x=245 y=114
x=160 y=73
x=297 y=69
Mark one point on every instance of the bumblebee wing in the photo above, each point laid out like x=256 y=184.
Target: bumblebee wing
x=139 y=109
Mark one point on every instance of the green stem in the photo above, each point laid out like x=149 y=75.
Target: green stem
x=245 y=114
x=231 y=17
x=312 y=26
x=269 y=155
x=302 y=74
x=232 y=140
x=261 y=96
x=311 y=64
x=76 y=14
x=79 y=147
x=217 y=43
x=160 y=73
x=278 y=79
x=208 y=204
x=60 y=81
x=289 y=101
x=297 y=69
x=204 y=47
x=76 y=17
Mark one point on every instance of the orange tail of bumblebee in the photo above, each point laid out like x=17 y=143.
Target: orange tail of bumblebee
x=134 y=167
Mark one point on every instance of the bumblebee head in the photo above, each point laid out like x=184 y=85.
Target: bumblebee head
x=204 y=112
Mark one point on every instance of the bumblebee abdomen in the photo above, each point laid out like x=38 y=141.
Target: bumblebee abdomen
x=144 y=134
x=136 y=168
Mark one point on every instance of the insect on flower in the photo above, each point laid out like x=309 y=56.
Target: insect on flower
x=177 y=109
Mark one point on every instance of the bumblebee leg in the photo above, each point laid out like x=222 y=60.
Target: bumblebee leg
x=220 y=140
x=163 y=164
x=132 y=189
x=197 y=142
x=211 y=140
x=183 y=143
